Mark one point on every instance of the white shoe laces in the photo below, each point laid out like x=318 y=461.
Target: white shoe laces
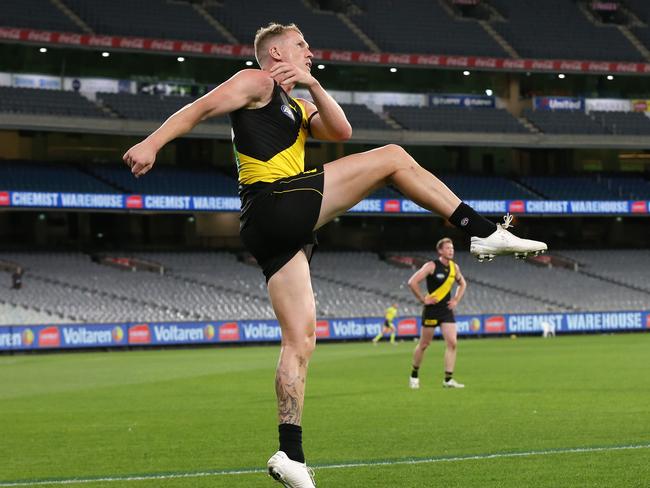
x=507 y=219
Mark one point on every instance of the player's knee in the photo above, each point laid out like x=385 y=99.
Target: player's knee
x=424 y=345
x=451 y=344
x=398 y=158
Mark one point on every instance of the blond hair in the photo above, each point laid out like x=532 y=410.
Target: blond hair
x=265 y=34
x=442 y=242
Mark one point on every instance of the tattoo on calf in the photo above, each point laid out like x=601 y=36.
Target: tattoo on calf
x=290 y=390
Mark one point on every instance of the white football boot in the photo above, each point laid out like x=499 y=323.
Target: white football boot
x=291 y=474
x=452 y=383
x=501 y=241
x=414 y=383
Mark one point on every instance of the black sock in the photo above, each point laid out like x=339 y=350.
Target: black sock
x=414 y=371
x=448 y=375
x=466 y=218
x=291 y=441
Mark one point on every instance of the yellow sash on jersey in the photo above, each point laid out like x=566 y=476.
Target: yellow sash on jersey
x=445 y=288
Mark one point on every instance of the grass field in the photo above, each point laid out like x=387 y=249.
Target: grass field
x=565 y=412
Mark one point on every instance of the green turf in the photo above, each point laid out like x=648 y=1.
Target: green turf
x=119 y=414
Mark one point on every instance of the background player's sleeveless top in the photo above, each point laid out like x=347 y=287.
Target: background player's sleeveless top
x=440 y=283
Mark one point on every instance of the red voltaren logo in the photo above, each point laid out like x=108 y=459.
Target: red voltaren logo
x=637 y=207
x=140 y=334
x=391 y=206
x=229 y=332
x=322 y=328
x=495 y=324
x=134 y=201
x=517 y=206
x=4 y=198
x=647 y=321
x=49 y=337
x=407 y=327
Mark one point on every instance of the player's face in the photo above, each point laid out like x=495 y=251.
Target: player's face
x=447 y=250
x=296 y=50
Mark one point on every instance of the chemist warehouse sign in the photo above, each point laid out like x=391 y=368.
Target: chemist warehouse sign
x=72 y=336
x=180 y=203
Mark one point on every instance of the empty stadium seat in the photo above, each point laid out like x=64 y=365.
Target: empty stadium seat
x=322 y=30
x=422 y=26
x=455 y=119
x=158 y=19
x=47 y=102
x=557 y=29
x=36 y=14
x=565 y=122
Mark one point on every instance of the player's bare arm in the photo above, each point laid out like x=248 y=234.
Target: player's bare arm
x=248 y=88
x=330 y=122
x=415 y=280
x=460 y=290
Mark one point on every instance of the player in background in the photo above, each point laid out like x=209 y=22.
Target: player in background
x=438 y=310
x=388 y=327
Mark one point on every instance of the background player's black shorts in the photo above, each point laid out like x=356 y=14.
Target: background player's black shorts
x=278 y=218
x=434 y=316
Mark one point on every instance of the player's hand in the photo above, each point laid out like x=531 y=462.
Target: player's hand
x=428 y=300
x=290 y=74
x=452 y=304
x=140 y=158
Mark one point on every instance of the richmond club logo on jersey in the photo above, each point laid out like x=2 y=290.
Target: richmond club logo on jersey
x=288 y=112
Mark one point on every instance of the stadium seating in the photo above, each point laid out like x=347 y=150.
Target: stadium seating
x=624 y=123
x=641 y=9
x=565 y=122
x=149 y=107
x=422 y=26
x=361 y=117
x=15 y=315
x=156 y=19
x=627 y=267
x=588 y=188
x=167 y=180
x=323 y=30
x=47 y=102
x=557 y=288
x=453 y=119
x=216 y=286
x=36 y=14
x=487 y=188
x=28 y=176
x=561 y=31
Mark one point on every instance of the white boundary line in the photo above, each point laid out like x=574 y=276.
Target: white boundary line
x=361 y=464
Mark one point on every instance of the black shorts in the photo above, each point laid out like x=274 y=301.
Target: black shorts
x=278 y=218
x=434 y=316
x=388 y=325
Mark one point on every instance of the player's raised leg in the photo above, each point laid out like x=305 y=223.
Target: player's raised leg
x=293 y=302
x=350 y=179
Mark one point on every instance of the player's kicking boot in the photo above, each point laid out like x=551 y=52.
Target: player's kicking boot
x=501 y=241
x=291 y=474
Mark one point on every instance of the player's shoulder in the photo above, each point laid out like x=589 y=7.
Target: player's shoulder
x=256 y=83
x=429 y=266
x=254 y=76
